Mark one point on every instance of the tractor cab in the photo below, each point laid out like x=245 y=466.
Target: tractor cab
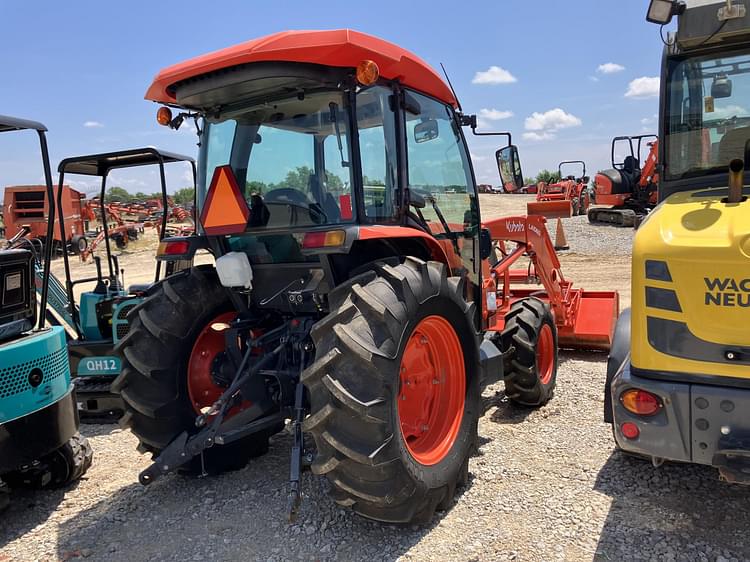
x=96 y=316
x=319 y=164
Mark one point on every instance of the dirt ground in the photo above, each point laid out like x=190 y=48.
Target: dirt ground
x=546 y=484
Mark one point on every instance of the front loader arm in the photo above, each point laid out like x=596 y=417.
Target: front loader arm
x=530 y=233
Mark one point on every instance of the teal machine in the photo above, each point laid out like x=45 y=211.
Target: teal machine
x=39 y=441
x=100 y=317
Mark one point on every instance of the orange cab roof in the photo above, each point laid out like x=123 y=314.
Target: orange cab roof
x=339 y=47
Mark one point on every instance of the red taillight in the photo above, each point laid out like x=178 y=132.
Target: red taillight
x=640 y=402
x=323 y=239
x=630 y=430
x=176 y=248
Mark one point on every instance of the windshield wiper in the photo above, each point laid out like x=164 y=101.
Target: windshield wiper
x=334 y=119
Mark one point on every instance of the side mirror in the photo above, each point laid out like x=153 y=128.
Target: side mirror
x=509 y=167
x=661 y=11
x=426 y=131
x=485 y=244
x=721 y=87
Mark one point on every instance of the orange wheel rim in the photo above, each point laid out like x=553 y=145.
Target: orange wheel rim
x=202 y=389
x=545 y=354
x=432 y=390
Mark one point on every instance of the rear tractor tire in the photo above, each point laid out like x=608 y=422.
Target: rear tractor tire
x=166 y=377
x=394 y=392
x=531 y=372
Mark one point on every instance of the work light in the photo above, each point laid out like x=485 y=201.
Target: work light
x=661 y=11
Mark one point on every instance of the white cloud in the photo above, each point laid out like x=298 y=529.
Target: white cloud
x=494 y=114
x=494 y=75
x=593 y=78
x=93 y=124
x=727 y=112
x=543 y=136
x=552 y=120
x=644 y=87
x=610 y=68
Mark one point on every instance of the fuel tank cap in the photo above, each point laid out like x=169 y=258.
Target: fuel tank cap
x=745 y=246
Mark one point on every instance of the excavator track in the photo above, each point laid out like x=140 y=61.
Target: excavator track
x=616 y=217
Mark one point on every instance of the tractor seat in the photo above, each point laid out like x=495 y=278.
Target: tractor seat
x=139 y=287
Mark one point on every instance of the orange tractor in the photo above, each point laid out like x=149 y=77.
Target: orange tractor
x=357 y=295
x=569 y=188
x=628 y=190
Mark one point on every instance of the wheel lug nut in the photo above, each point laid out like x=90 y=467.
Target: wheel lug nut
x=424 y=339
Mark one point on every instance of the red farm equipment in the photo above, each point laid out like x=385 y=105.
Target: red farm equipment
x=569 y=188
x=27 y=205
x=628 y=189
x=358 y=297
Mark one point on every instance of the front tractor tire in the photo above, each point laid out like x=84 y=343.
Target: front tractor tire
x=531 y=373
x=394 y=392
x=167 y=357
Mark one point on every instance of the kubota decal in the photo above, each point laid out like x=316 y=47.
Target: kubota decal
x=729 y=292
x=514 y=226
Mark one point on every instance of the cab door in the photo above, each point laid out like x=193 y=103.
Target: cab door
x=439 y=169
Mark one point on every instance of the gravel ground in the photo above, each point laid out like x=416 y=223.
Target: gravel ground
x=545 y=485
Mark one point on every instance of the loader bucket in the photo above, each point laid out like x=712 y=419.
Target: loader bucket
x=593 y=323
x=550 y=209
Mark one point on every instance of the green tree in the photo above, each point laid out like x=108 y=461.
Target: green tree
x=255 y=187
x=118 y=195
x=529 y=181
x=140 y=196
x=374 y=183
x=184 y=196
x=298 y=178
x=547 y=176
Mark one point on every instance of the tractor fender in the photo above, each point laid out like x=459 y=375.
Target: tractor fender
x=618 y=354
x=440 y=251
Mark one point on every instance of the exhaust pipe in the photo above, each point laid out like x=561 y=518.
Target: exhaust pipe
x=736 y=180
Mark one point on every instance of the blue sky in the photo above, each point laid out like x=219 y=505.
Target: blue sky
x=555 y=73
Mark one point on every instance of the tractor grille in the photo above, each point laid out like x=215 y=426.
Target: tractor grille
x=122 y=324
x=15 y=378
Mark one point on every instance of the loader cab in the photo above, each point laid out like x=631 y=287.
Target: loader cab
x=705 y=99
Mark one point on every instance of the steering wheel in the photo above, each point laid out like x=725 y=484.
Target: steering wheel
x=295 y=198
x=287 y=195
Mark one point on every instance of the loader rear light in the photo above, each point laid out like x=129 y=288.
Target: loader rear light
x=630 y=430
x=367 y=72
x=640 y=402
x=176 y=248
x=323 y=239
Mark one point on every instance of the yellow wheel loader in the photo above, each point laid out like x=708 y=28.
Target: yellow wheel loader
x=678 y=380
